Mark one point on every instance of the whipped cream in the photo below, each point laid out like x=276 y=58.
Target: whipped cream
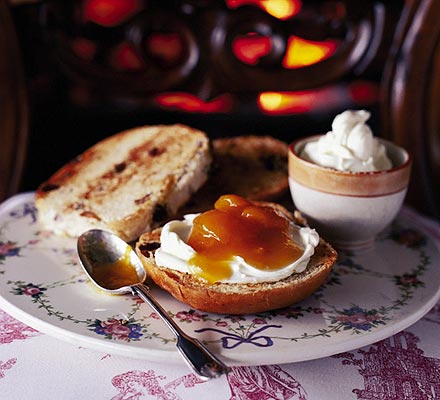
x=350 y=146
x=175 y=253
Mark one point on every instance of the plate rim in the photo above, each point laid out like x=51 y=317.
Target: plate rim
x=246 y=358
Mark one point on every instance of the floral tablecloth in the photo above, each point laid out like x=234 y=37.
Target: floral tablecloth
x=405 y=365
x=36 y=366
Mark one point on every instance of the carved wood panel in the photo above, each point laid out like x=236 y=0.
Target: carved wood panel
x=189 y=46
x=13 y=107
x=411 y=111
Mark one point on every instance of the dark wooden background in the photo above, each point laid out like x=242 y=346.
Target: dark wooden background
x=54 y=104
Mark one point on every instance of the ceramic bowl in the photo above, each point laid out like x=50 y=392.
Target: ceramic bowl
x=348 y=209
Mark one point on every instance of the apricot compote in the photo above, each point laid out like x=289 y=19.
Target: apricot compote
x=238 y=227
x=116 y=274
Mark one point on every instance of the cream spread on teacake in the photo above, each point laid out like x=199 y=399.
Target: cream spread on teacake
x=236 y=242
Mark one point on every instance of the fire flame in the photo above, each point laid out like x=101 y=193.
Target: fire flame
x=190 y=103
x=110 y=12
x=318 y=100
x=249 y=49
x=125 y=58
x=286 y=102
x=282 y=9
x=301 y=52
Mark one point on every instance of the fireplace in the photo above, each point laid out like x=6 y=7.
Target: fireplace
x=229 y=67
x=232 y=57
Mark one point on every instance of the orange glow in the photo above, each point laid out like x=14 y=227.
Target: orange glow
x=282 y=9
x=277 y=103
x=166 y=46
x=190 y=103
x=126 y=58
x=363 y=92
x=301 y=52
x=84 y=48
x=110 y=12
x=250 y=48
x=359 y=93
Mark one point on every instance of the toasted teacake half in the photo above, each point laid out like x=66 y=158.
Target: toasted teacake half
x=251 y=166
x=128 y=183
x=225 y=298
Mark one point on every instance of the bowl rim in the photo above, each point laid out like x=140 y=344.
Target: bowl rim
x=348 y=183
x=408 y=161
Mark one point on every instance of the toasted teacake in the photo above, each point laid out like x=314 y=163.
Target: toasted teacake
x=251 y=166
x=128 y=183
x=234 y=298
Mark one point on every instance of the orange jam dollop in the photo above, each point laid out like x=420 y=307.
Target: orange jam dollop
x=238 y=227
x=116 y=274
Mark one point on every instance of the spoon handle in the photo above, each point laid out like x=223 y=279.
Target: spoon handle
x=197 y=356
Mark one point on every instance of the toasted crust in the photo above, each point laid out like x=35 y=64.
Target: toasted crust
x=250 y=166
x=127 y=183
x=224 y=298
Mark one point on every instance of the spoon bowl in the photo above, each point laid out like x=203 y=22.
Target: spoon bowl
x=101 y=251
x=113 y=266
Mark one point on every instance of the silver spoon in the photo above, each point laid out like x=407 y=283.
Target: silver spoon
x=103 y=255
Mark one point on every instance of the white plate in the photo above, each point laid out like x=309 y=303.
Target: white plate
x=367 y=298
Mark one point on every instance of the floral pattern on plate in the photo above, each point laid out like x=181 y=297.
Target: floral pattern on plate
x=366 y=298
